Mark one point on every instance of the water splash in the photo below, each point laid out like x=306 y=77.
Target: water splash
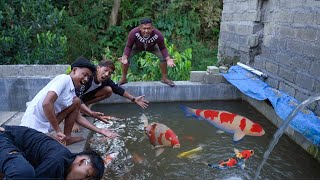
x=282 y=128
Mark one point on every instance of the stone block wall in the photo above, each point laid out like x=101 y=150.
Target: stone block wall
x=278 y=37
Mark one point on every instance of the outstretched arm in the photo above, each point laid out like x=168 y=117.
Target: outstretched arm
x=86 y=110
x=138 y=100
x=85 y=123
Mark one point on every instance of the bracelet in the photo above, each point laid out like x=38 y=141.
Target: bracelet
x=133 y=99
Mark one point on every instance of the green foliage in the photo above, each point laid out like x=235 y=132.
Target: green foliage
x=31 y=32
x=59 y=31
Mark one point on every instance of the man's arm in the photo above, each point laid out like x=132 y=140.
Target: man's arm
x=48 y=109
x=138 y=100
x=128 y=47
x=163 y=49
x=86 y=110
x=85 y=123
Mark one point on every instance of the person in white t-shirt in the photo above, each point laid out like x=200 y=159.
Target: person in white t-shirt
x=57 y=101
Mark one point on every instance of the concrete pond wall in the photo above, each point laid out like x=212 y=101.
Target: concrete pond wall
x=20 y=83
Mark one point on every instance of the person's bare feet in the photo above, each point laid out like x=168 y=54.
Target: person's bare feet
x=168 y=82
x=123 y=81
x=76 y=128
x=72 y=140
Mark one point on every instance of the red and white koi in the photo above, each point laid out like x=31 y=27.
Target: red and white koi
x=238 y=160
x=232 y=123
x=160 y=135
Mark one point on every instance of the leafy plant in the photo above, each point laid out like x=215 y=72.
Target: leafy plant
x=23 y=22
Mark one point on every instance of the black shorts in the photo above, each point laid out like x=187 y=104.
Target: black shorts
x=91 y=94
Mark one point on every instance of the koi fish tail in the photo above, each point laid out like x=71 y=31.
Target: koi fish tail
x=144 y=119
x=213 y=166
x=188 y=111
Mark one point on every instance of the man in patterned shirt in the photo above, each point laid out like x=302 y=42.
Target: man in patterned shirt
x=146 y=38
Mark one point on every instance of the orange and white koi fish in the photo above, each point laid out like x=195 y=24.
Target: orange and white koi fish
x=160 y=135
x=109 y=158
x=238 y=159
x=232 y=123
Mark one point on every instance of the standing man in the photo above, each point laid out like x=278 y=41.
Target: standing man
x=29 y=154
x=146 y=38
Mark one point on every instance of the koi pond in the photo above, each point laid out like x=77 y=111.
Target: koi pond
x=136 y=158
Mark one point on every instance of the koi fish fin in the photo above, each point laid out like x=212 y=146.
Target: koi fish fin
x=158 y=146
x=159 y=151
x=206 y=163
x=144 y=120
x=188 y=112
x=220 y=131
x=238 y=135
x=142 y=138
x=242 y=166
x=236 y=151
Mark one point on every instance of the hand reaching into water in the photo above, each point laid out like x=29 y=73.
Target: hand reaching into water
x=109 y=134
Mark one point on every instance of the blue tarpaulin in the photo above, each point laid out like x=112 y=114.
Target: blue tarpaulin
x=305 y=122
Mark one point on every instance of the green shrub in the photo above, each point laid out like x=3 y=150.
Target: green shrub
x=31 y=33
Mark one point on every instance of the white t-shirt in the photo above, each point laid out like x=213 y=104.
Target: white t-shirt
x=34 y=116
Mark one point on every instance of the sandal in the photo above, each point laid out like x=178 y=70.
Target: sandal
x=168 y=82
x=122 y=82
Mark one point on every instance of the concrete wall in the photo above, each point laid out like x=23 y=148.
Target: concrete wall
x=278 y=37
x=20 y=83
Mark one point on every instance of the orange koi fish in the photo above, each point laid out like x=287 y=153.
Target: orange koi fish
x=160 y=135
x=109 y=158
x=238 y=159
x=232 y=123
x=138 y=159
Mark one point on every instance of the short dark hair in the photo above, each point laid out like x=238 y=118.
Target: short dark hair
x=146 y=21
x=97 y=162
x=83 y=62
x=107 y=63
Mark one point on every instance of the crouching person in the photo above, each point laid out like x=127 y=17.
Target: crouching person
x=57 y=101
x=26 y=153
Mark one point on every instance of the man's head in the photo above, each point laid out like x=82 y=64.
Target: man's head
x=87 y=165
x=104 y=70
x=146 y=27
x=81 y=69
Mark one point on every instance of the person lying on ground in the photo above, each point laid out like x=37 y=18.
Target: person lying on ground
x=26 y=153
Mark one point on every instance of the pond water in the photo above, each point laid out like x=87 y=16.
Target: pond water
x=137 y=160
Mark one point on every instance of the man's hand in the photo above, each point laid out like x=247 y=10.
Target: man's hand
x=60 y=137
x=141 y=102
x=123 y=59
x=170 y=62
x=109 y=134
x=97 y=115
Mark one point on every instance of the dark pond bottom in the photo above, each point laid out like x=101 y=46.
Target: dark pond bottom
x=137 y=160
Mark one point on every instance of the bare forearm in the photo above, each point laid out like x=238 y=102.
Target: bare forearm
x=85 y=109
x=85 y=123
x=48 y=109
x=128 y=95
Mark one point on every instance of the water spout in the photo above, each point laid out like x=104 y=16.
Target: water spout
x=282 y=128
